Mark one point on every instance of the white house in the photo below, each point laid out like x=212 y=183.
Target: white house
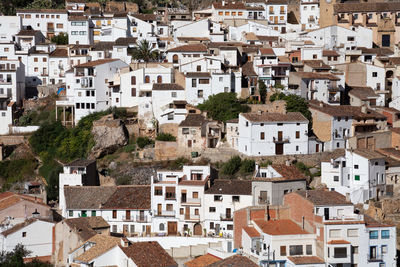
x=228 y=11
x=359 y=175
x=309 y=14
x=277 y=14
x=273 y=134
x=79 y=30
x=9 y=26
x=34 y=234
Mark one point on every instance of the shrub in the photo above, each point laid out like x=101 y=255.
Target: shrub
x=144 y=141
x=165 y=137
x=232 y=166
x=266 y=163
x=248 y=165
x=129 y=148
x=178 y=163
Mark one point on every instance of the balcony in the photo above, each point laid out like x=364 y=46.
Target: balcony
x=50 y=29
x=280 y=140
x=5 y=94
x=142 y=219
x=127 y=219
x=5 y=81
x=375 y=258
x=190 y=201
x=192 y=217
x=334 y=100
x=226 y=217
x=164 y=213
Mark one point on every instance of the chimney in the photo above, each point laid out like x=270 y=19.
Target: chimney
x=306 y=193
x=302 y=223
x=287 y=163
x=223 y=3
x=321 y=104
x=259 y=112
x=363 y=109
x=348 y=197
x=125 y=242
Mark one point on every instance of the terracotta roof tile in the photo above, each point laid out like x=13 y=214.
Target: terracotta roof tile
x=248 y=69
x=229 y=5
x=323 y=198
x=363 y=93
x=338 y=242
x=300 y=260
x=126 y=41
x=59 y=52
x=198 y=74
x=102 y=244
x=193 y=120
x=135 y=197
x=251 y=231
x=316 y=75
x=230 y=187
x=87 y=197
x=366 y=7
x=18 y=227
x=167 y=87
x=330 y=53
x=234 y=261
x=85 y=226
x=368 y=154
x=317 y=64
x=27 y=32
x=267 y=51
x=202 y=261
x=96 y=63
x=189 y=48
x=275 y=117
x=288 y=173
x=280 y=227
x=145 y=17
x=154 y=256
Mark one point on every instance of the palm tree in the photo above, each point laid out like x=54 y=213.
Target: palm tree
x=144 y=51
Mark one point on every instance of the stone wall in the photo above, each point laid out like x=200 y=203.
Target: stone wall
x=165 y=150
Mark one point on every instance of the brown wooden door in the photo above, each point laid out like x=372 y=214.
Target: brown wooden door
x=361 y=143
x=148 y=229
x=370 y=143
x=279 y=149
x=187 y=213
x=280 y=135
x=128 y=215
x=197 y=229
x=276 y=19
x=317 y=148
x=189 y=143
x=159 y=209
x=172 y=228
x=228 y=213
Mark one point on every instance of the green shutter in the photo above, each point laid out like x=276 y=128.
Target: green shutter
x=93 y=213
x=357 y=177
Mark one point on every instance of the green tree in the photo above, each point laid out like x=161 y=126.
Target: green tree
x=165 y=137
x=247 y=166
x=143 y=141
x=144 y=51
x=223 y=106
x=262 y=89
x=295 y=103
x=60 y=39
x=232 y=166
x=16 y=257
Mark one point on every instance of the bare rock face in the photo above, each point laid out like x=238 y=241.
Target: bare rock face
x=109 y=134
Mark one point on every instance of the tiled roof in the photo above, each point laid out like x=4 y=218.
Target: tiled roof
x=96 y=63
x=54 y=11
x=267 y=52
x=198 y=74
x=193 y=120
x=345 y=111
x=323 y=198
x=367 y=7
x=329 y=53
x=9 y=199
x=27 y=32
x=338 y=242
x=202 y=261
x=371 y=223
x=288 y=173
x=101 y=46
x=376 y=51
x=87 y=197
x=145 y=17
x=363 y=93
x=268 y=38
x=391 y=152
x=316 y=75
x=102 y=244
x=233 y=121
x=185 y=38
x=301 y=260
x=167 y=87
x=248 y=69
x=18 y=227
x=189 y=48
x=277 y=2
x=234 y=261
x=229 y=5
x=275 y=117
x=230 y=187
x=77 y=18
x=317 y=64
x=149 y=254
x=368 y=154
x=280 y=227
x=133 y=197
x=59 y=52
x=85 y=226
x=251 y=231
x=125 y=41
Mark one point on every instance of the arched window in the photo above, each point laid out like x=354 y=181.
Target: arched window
x=175 y=58
x=159 y=79
x=147 y=79
x=161 y=227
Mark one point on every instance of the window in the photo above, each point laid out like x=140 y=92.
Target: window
x=211 y=209
x=374 y=74
x=336 y=178
x=185 y=130
x=355 y=166
x=229 y=227
x=158 y=191
x=357 y=177
x=385 y=234
x=92 y=105
x=220 y=13
x=340 y=252
x=199 y=93
x=77 y=105
x=35 y=59
x=161 y=227
x=173 y=94
x=147 y=79
x=83 y=213
x=44 y=59
x=133 y=91
x=297 y=134
x=204 y=81
x=59 y=25
x=195 y=194
x=350 y=38
x=240 y=13
x=233 y=13
x=384 y=249
x=194 y=83
x=114 y=214
x=114 y=229
x=133 y=80
x=159 y=79
x=309 y=249
x=181 y=211
x=352 y=232
x=23 y=234
x=196 y=211
x=314 y=56
x=235 y=198
x=212 y=225
x=71 y=213
x=87 y=93
x=334 y=233
x=354 y=249
x=262 y=136
x=87 y=105
x=227 y=13
x=218 y=198
x=170 y=207
x=373 y=234
x=283 y=250
x=296 y=250
x=198 y=68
